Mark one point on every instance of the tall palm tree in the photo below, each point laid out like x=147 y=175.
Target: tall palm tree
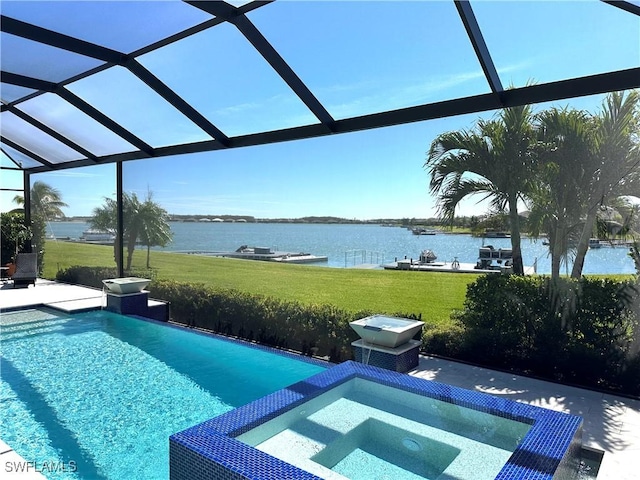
x=156 y=230
x=617 y=161
x=144 y=221
x=496 y=161
x=105 y=218
x=564 y=153
x=46 y=201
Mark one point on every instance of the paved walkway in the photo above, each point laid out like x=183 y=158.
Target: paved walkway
x=45 y=292
x=611 y=423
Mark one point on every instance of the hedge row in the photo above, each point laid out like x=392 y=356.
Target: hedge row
x=322 y=330
x=93 y=276
x=584 y=332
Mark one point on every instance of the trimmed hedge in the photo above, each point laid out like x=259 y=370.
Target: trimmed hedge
x=93 y=276
x=583 y=332
x=311 y=329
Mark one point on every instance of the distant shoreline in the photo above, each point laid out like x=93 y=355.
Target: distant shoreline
x=395 y=222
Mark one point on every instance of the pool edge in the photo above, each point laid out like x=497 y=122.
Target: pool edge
x=547 y=452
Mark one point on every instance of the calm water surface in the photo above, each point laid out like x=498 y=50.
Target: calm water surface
x=105 y=391
x=348 y=245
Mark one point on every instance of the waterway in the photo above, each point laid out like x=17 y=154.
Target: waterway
x=351 y=245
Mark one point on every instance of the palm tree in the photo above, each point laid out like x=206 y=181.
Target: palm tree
x=46 y=201
x=617 y=162
x=156 y=230
x=564 y=155
x=105 y=218
x=145 y=221
x=46 y=204
x=496 y=160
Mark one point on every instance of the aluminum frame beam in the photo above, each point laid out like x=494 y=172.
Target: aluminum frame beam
x=577 y=87
x=223 y=12
x=479 y=46
x=265 y=49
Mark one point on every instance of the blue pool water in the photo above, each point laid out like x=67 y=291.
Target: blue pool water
x=101 y=393
x=364 y=430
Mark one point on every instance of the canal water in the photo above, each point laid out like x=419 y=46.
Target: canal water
x=351 y=245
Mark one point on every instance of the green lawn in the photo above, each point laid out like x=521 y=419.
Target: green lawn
x=434 y=295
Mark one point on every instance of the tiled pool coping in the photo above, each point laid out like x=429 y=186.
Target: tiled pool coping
x=210 y=450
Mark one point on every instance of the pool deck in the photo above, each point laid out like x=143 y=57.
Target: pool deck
x=611 y=423
x=69 y=298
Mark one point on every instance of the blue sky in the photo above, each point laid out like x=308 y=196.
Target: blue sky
x=356 y=60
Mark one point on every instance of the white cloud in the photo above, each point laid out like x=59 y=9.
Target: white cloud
x=73 y=174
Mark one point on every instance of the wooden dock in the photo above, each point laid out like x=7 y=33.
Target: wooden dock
x=448 y=267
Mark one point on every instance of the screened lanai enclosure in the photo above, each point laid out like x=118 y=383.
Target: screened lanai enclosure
x=144 y=90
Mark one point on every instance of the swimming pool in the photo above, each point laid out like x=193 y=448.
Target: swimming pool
x=101 y=393
x=363 y=430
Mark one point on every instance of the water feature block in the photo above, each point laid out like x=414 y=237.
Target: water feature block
x=126 y=284
x=399 y=359
x=158 y=310
x=128 y=303
x=386 y=331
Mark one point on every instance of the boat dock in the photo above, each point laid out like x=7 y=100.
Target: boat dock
x=266 y=254
x=448 y=267
x=490 y=260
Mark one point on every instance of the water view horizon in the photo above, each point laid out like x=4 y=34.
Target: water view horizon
x=348 y=245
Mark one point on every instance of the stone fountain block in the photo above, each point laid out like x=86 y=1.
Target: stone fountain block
x=398 y=359
x=128 y=303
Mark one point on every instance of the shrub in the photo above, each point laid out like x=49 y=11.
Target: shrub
x=576 y=331
x=311 y=329
x=14 y=235
x=93 y=276
x=443 y=341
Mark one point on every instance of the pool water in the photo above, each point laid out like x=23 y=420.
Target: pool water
x=362 y=430
x=101 y=393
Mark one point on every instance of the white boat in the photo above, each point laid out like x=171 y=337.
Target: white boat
x=423 y=231
x=490 y=258
x=265 y=253
x=594 y=243
x=427 y=256
x=491 y=261
x=93 y=235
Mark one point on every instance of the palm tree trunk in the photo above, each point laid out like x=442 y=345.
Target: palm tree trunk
x=556 y=253
x=514 y=221
x=148 y=256
x=117 y=250
x=131 y=246
x=583 y=244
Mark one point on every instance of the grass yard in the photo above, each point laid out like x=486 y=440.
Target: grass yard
x=434 y=295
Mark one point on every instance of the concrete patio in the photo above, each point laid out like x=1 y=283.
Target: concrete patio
x=611 y=423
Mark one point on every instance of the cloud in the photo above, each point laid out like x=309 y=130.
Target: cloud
x=389 y=95
x=73 y=174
